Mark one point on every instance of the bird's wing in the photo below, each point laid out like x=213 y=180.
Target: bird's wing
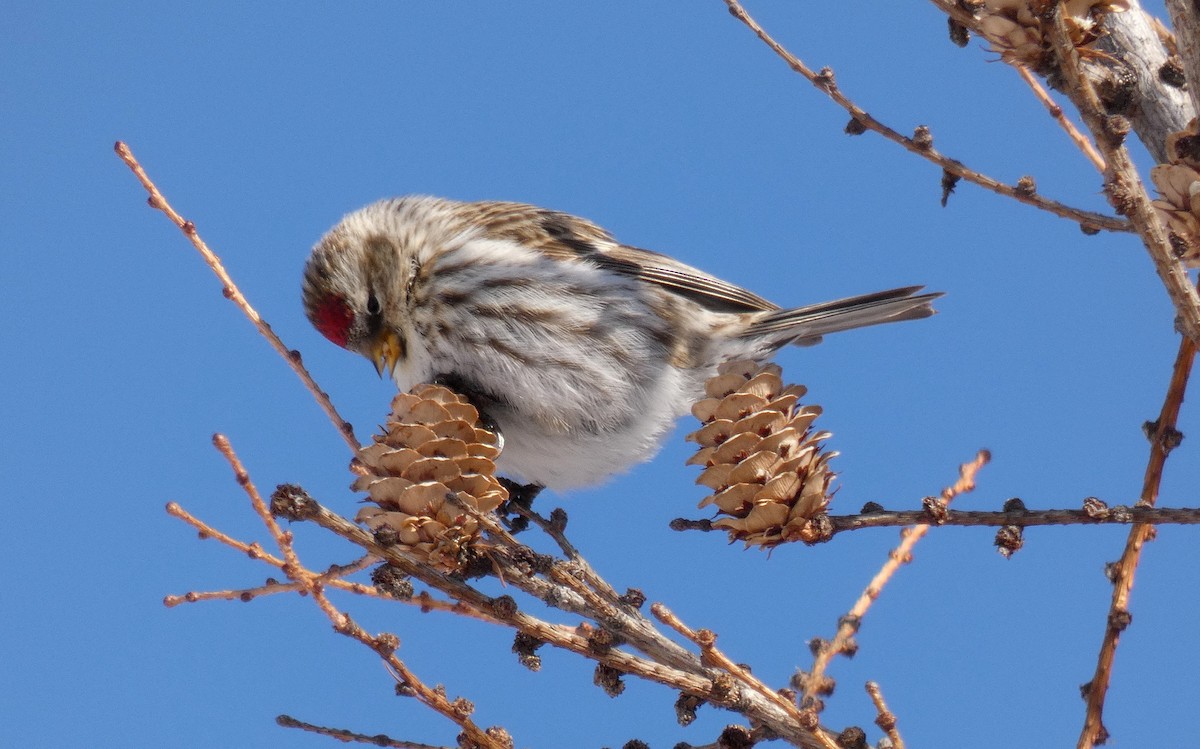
x=568 y=237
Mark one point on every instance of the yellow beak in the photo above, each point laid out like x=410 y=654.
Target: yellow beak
x=387 y=352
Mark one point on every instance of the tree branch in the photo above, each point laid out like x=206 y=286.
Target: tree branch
x=1185 y=17
x=1118 y=515
x=815 y=683
x=385 y=645
x=1124 y=186
x=347 y=736
x=923 y=146
x=885 y=719
x=234 y=294
x=668 y=663
x=1133 y=48
x=1080 y=140
x=1163 y=437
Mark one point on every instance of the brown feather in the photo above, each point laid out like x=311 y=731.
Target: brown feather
x=565 y=237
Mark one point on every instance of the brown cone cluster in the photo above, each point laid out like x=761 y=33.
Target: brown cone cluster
x=433 y=458
x=1178 y=184
x=1014 y=30
x=765 y=464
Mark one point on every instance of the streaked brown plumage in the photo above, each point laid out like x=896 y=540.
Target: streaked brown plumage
x=583 y=350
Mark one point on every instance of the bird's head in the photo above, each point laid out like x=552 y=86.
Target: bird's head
x=353 y=289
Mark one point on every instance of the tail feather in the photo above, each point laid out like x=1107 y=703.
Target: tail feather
x=806 y=325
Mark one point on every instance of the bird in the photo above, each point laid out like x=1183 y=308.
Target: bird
x=582 y=351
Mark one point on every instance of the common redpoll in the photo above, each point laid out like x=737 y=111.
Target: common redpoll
x=581 y=350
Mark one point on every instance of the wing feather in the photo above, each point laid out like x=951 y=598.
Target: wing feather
x=566 y=237
x=803 y=324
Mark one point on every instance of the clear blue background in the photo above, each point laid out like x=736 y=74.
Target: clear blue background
x=668 y=123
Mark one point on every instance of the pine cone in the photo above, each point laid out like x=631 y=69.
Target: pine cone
x=433 y=458
x=1178 y=185
x=1014 y=29
x=765 y=464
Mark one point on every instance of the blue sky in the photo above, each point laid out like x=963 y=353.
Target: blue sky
x=671 y=125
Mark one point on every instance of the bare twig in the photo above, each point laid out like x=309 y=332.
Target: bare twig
x=384 y=645
x=576 y=574
x=1163 y=437
x=1118 y=515
x=1127 y=192
x=234 y=294
x=669 y=664
x=1133 y=46
x=331 y=577
x=824 y=81
x=900 y=555
x=1185 y=18
x=347 y=736
x=885 y=719
x=254 y=550
x=1081 y=141
x=283 y=539
x=564 y=598
x=706 y=640
x=597 y=598
x=554 y=528
x=1092 y=515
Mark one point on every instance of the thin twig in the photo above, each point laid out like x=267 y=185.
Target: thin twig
x=254 y=550
x=1163 y=437
x=1081 y=141
x=1093 y=515
x=564 y=637
x=458 y=710
x=283 y=539
x=885 y=719
x=553 y=527
x=824 y=81
x=596 y=597
x=384 y=645
x=1118 y=515
x=672 y=666
x=710 y=654
x=901 y=554
x=347 y=736
x=331 y=577
x=589 y=586
x=234 y=294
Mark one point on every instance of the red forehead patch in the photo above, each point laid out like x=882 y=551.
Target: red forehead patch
x=333 y=318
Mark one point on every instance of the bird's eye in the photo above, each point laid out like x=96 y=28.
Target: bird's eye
x=372 y=305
